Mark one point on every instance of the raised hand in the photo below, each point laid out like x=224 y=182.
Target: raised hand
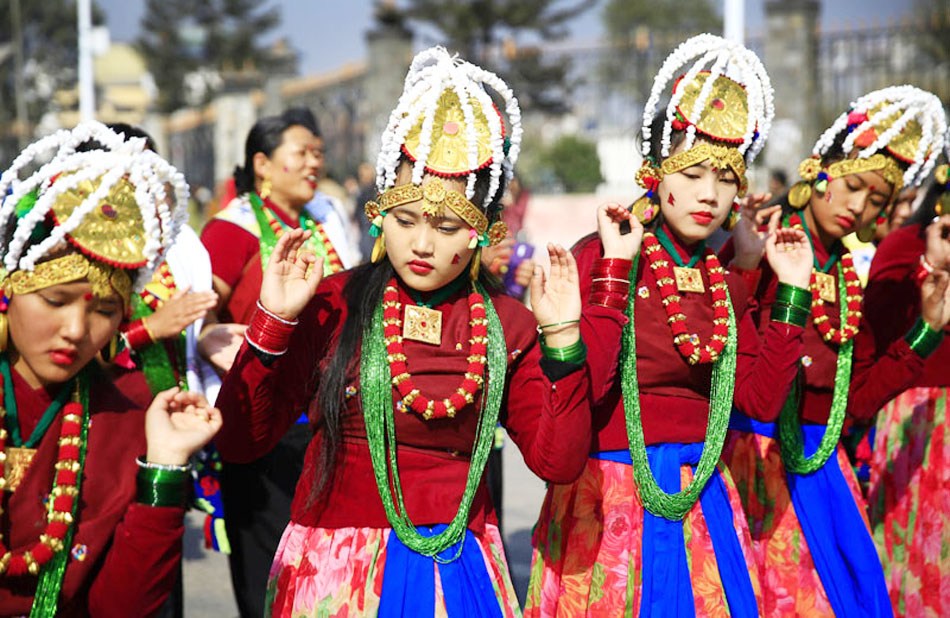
x=556 y=298
x=938 y=243
x=935 y=299
x=790 y=255
x=618 y=245
x=179 y=312
x=287 y=286
x=219 y=345
x=177 y=424
x=748 y=236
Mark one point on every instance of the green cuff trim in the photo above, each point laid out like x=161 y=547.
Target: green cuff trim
x=574 y=353
x=922 y=339
x=787 y=314
x=156 y=487
x=793 y=295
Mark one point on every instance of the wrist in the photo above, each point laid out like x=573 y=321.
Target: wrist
x=164 y=457
x=138 y=335
x=162 y=486
x=575 y=352
x=562 y=338
x=923 y=338
x=268 y=332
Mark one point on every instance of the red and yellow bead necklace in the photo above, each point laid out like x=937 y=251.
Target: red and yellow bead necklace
x=411 y=397
x=689 y=344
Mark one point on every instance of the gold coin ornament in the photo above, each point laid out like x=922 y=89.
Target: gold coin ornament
x=799 y=194
x=448 y=154
x=645 y=210
x=725 y=113
x=113 y=230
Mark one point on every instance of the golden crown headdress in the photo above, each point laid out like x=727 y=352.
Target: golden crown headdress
x=109 y=200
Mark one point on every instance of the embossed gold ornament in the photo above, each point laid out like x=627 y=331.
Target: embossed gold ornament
x=725 y=112
x=904 y=145
x=435 y=196
x=799 y=195
x=886 y=166
x=721 y=157
x=688 y=279
x=15 y=465
x=422 y=324
x=105 y=279
x=113 y=231
x=449 y=150
x=827 y=287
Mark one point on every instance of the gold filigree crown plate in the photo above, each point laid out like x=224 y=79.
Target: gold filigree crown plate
x=448 y=155
x=112 y=232
x=903 y=145
x=725 y=113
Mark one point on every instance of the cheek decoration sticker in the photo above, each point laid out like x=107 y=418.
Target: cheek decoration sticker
x=456 y=259
x=671 y=200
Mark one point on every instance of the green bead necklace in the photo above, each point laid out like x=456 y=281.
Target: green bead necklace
x=377 y=400
x=675 y=506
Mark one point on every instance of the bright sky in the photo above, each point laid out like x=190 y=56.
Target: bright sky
x=330 y=33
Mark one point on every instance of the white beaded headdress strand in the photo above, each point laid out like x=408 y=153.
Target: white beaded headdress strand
x=894 y=107
x=433 y=72
x=721 y=58
x=115 y=158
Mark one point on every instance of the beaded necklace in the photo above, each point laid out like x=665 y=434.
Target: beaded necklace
x=156 y=359
x=272 y=227
x=411 y=397
x=675 y=506
x=377 y=399
x=47 y=556
x=689 y=344
x=790 y=434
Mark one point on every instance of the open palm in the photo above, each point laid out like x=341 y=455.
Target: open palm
x=556 y=298
x=291 y=277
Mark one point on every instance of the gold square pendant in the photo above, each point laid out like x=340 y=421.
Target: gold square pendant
x=17 y=463
x=688 y=279
x=827 y=289
x=422 y=324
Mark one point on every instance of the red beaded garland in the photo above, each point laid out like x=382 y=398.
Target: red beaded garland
x=853 y=295
x=689 y=344
x=64 y=492
x=474 y=378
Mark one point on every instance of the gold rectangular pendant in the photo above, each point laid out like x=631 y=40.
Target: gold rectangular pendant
x=827 y=289
x=688 y=279
x=422 y=324
x=17 y=463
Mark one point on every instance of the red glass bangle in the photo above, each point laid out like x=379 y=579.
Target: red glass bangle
x=137 y=335
x=611 y=267
x=269 y=333
x=612 y=301
x=923 y=269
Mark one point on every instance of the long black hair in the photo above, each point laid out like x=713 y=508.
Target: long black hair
x=265 y=136
x=937 y=193
x=362 y=293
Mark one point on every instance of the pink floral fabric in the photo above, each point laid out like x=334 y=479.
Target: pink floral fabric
x=587 y=557
x=338 y=573
x=909 y=498
x=790 y=583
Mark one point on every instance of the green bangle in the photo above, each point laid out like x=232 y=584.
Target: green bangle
x=922 y=339
x=157 y=487
x=788 y=314
x=793 y=295
x=574 y=353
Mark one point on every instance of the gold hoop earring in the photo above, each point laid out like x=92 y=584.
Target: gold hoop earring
x=112 y=349
x=799 y=195
x=475 y=265
x=645 y=210
x=4 y=331
x=266 y=187
x=379 y=249
x=866 y=233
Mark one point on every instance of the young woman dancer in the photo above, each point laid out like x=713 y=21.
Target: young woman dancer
x=805 y=510
x=407 y=364
x=654 y=526
x=909 y=480
x=88 y=529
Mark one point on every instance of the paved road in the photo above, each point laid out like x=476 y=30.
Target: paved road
x=208 y=588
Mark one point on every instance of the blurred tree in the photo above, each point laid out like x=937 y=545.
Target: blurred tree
x=575 y=163
x=182 y=38
x=934 y=17
x=643 y=32
x=501 y=35
x=50 y=55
